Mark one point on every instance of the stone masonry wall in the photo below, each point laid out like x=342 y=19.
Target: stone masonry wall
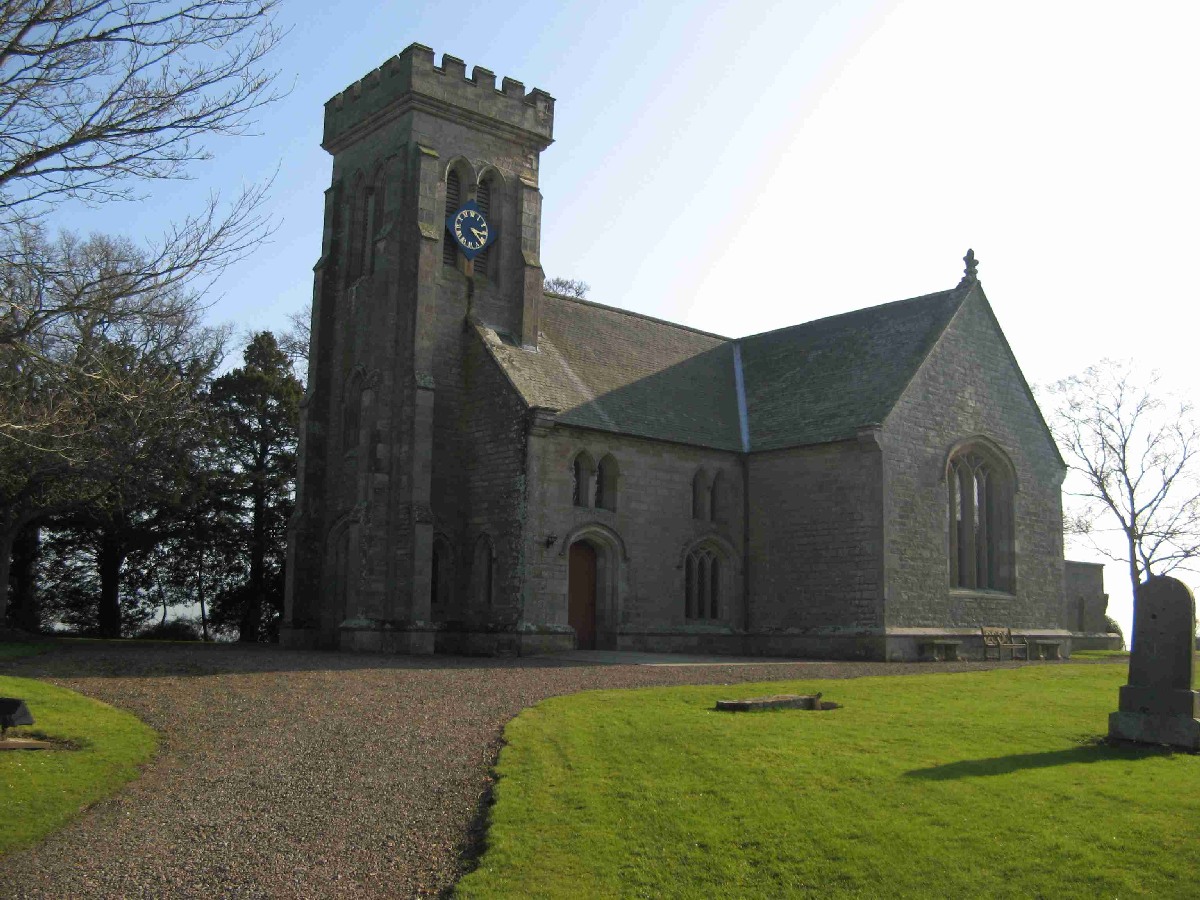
x=816 y=539
x=969 y=386
x=642 y=543
x=489 y=429
x=1085 y=603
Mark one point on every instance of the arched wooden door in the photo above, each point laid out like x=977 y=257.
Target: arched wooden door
x=581 y=594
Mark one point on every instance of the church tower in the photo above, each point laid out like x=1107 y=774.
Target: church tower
x=386 y=426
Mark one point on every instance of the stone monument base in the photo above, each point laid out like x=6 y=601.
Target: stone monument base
x=1155 y=728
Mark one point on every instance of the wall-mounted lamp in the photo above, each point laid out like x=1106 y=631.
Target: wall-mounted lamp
x=550 y=539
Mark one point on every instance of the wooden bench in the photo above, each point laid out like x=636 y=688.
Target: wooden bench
x=940 y=651
x=1000 y=639
x=1048 y=649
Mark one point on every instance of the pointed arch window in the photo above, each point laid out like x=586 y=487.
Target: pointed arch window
x=717 y=497
x=583 y=471
x=606 y=483
x=483 y=572
x=484 y=200
x=980 y=500
x=375 y=213
x=453 y=200
x=703 y=589
x=701 y=496
x=359 y=202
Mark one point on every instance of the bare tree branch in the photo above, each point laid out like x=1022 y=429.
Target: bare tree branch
x=1138 y=458
x=96 y=96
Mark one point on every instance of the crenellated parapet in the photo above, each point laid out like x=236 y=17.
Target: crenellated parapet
x=411 y=81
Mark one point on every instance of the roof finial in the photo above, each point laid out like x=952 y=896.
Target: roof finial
x=971 y=273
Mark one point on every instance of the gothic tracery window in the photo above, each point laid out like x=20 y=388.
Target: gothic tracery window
x=981 y=522
x=702 y=584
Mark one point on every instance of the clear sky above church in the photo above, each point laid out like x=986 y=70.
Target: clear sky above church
x=741 y=166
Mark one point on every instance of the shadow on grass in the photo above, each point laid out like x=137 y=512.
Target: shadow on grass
x=1096 y=750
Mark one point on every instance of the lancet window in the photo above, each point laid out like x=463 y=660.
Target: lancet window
x=702 y=584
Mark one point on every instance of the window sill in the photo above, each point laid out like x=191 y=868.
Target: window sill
x=982 y=593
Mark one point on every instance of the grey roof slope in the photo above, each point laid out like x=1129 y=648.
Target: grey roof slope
x=613 y=370
x=823 y=380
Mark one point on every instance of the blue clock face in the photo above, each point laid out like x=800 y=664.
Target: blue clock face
x=470 y=230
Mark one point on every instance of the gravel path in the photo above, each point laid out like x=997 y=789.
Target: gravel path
x=288 y=774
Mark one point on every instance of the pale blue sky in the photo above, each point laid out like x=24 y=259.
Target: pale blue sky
x=745 y=166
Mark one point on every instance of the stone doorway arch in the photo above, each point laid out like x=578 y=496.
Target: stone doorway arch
x=595 y=578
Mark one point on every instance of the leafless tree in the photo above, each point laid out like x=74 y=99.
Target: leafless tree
x=295 y=341
x=96 y=96
x=567 y=287
x=1136 y=455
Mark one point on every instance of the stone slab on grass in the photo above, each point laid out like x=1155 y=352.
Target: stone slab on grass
x=776 y=701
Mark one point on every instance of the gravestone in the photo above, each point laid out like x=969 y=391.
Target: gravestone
x=1158 y=705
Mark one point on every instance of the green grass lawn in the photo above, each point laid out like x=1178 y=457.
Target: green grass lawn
x=1113 y=655
x=40 y=790
x=980 y=784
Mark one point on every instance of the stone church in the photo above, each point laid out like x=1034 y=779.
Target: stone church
x=486 y=467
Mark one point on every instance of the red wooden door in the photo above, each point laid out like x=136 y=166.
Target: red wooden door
x=581 y=595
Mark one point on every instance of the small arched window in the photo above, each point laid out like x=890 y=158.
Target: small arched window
x=717 y=497
x=606 y=483
x=453 y=200
x=582 y=472
x=359 y=202
x=375 y=213
x=483 y=572
x=484 y=199
x=703 y=591
x=701 y=496
x=352 y=412
x=981 y=521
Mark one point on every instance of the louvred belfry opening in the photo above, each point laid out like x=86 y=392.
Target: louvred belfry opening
x=453 y=197
x=483 y=199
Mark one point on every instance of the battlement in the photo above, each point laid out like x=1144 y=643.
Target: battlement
x=410 y=80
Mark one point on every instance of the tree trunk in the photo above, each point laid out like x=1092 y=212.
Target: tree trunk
x=1134 y=582
x=6 y=547
x=252 y=612
x=200 y=594
x=110 y=559
x=23 y=609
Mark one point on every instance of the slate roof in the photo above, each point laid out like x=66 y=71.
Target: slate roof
x=613 y=370
x=823 y=380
